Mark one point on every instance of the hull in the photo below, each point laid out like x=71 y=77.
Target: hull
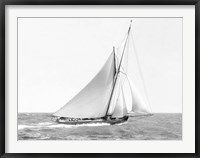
x=102 y=120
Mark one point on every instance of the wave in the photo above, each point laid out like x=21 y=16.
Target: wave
x=52 y=125
x=22 y=126
x=123 y=123
x=45 y=123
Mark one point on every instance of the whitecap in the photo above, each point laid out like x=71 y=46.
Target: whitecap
x=51 y=125
x=22 y=126
x=45 y=123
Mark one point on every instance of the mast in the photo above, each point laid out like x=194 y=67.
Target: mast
x=129 y=29
x=114 y=60
x=118 y=70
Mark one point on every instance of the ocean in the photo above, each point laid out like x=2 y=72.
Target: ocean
x=39 y=126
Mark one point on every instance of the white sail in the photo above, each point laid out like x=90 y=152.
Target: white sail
x=114 y=96
x=120 y=107
x=138 y=103
x=92 y=101
x=116 y=92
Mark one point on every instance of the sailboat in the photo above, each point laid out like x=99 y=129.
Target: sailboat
x=103 y=98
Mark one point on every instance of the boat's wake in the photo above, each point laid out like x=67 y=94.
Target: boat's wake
x=53 y=125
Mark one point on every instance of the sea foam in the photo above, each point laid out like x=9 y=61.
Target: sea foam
x=52 y=125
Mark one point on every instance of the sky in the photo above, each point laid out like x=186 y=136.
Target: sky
x=57 y=57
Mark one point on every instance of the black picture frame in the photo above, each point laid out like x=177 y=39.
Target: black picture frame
x=3 y=3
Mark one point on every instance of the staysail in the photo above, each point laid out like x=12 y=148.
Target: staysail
x=116 y=93
x=120 y=107
x=114 y=96
x=92 y=101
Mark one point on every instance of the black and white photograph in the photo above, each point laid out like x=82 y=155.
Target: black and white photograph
x=99 y=78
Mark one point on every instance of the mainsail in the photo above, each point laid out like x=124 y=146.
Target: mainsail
x=104 y=94
x=92 y=101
